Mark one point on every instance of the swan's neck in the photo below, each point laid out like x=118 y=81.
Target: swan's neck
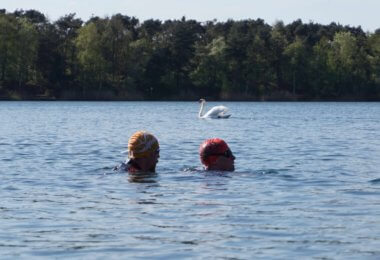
x=201 y=109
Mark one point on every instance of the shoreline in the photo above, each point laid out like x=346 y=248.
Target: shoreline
x=2 y=99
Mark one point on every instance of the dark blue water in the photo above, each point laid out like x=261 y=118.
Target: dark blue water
x=306 y=185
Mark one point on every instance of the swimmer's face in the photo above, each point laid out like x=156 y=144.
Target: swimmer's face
x=152 y=160
x=224 y=162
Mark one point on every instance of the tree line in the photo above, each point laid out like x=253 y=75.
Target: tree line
x=121 y=58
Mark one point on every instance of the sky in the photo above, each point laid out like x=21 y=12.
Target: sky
x=364 y=13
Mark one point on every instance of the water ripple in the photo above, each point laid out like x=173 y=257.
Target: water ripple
x=305 y=185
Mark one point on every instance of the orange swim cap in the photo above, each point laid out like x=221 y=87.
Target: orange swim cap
x=142 y=144
x=211 y=147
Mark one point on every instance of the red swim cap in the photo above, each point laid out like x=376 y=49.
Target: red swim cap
x=211 y=147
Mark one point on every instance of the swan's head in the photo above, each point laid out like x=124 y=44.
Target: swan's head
x=201 y=100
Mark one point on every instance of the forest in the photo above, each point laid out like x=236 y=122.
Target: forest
x=122 y=58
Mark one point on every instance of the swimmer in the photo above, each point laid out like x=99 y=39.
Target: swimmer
x=215 y=155
x=143 y=153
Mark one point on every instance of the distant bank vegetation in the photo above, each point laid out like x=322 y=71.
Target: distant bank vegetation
x=122 y=58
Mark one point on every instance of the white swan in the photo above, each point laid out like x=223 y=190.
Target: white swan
x=215 y=112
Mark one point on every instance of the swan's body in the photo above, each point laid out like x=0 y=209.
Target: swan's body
x=215 y=112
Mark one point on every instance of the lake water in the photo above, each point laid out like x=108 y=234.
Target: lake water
x=306 y=185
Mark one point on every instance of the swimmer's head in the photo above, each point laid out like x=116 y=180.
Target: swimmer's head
x=141 y=145
x=216 y=155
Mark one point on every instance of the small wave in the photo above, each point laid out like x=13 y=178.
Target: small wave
x=10 y=188
x=361 y=192
x=267 y=172
x=143 y=178
x=375 y=181
x=192 y=169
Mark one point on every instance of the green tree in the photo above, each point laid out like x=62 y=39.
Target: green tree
x=150 y=60
x=209 y=74
x=184 y=59
x=93 y=64
x=374 y=59
x=278 y=44
x=320 y=76
x=259 y=74
x=346 y=62
x=8 y=36
x=117 y=36
x=297 y=54
x=26 y=46
x=67 y=27
x=18 y=52
x=180 y=37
